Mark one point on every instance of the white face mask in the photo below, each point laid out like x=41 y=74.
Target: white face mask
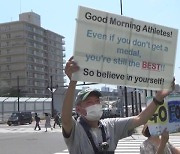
x=94 y=112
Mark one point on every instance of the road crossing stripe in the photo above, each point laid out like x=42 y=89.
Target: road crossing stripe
x=65 y=150
x=131 y=146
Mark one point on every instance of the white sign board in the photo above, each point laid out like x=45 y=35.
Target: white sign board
x=166 y=116
x=119 y=50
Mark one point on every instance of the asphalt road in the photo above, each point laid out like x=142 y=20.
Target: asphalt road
x=24 y=140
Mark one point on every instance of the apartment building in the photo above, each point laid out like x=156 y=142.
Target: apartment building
x=31 y=57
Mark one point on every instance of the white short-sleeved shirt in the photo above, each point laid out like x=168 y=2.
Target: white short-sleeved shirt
x=115 y=128
x=147 y=147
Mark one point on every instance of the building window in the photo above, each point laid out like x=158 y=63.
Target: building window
x=8 y=67
x=30 y=82
x=9 y=75
x=8 y=59
x=8 y=35
x=7 y=43
x=8 y=51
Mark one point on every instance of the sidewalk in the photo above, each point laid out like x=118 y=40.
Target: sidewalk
x=139 y=130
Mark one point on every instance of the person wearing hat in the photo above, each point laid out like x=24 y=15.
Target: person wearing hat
x=157 y=144
x=89 y=134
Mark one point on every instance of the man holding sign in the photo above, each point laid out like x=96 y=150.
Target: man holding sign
x=89 y=134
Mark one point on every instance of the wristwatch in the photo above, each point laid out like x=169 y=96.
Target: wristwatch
x=158 y=102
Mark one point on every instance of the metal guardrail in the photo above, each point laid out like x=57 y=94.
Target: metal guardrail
x=10 y=104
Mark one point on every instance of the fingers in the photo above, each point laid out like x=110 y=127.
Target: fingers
x=165 y=130
x=70 y=59
x=165 y=134
x=71 y=67
x=160 y=95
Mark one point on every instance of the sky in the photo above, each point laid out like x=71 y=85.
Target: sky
x=59 y=16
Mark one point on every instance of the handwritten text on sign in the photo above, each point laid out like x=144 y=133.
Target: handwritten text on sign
x=166 y=116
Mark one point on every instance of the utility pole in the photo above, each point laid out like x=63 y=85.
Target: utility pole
x=18 y=91
x=52 y=90
x=52 y=97
x=121 y=6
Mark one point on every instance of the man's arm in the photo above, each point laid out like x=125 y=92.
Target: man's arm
x=164 y=140
x=175 y=150
x=147 y=113
x=66 y=115
x=67 y=108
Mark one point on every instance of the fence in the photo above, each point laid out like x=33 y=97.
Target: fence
x=10 y=104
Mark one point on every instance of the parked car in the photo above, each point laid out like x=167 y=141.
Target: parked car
x=110 y=113
x=106 y=113
x=20 y=118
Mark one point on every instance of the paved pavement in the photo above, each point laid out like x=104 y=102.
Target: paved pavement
x=4 y=128
x=42 y=123
x=129 y=145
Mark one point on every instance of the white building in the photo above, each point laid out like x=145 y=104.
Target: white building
x=29 y=56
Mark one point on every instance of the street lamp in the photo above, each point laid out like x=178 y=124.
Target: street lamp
x=52 y=90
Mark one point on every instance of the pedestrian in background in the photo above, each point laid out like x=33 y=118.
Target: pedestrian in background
x=157 y=144
x=37 y=119
x=47 y=121
x=57 y=120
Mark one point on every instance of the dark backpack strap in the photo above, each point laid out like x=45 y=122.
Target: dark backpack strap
x=87 y=130
x=103 y=133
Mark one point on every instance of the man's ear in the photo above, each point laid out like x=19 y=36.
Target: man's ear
x=80 y=110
